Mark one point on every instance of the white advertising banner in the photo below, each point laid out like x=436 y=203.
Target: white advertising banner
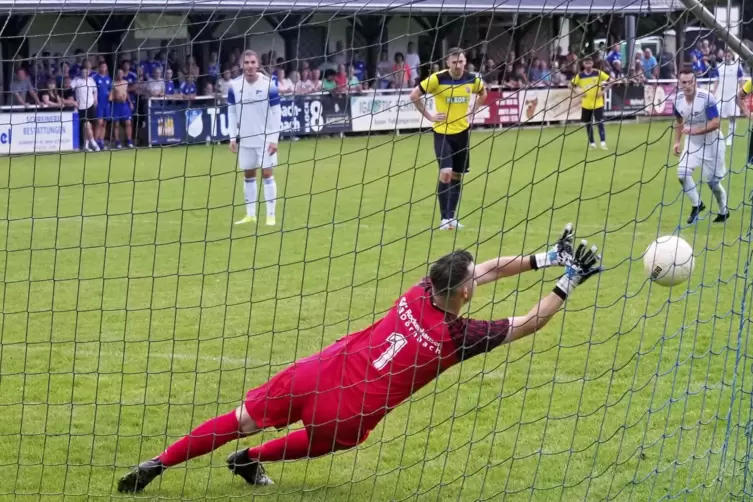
x=385 y=112
x=42 y=131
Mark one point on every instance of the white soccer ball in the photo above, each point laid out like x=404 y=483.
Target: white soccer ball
x=668 y=261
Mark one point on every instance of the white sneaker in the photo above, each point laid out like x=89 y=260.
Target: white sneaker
x=729 y=141
x=592 y=145
x=271 y=220
x=455 y=223
x=447 y=225
x=94 y=146
x=603 y=145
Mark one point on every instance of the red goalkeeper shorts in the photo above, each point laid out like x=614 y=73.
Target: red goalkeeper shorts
x=310 y=391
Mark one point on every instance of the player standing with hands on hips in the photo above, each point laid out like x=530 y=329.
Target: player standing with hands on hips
x=697 y=118
x=343 y=392
x=452 y=90
x=254 y=112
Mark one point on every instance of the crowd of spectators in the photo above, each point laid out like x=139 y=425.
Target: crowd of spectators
x=47 y=81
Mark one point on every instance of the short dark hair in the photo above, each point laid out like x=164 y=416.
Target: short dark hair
x=587 y=58
x=455 y=51
x=686 y=71
x=449 y=272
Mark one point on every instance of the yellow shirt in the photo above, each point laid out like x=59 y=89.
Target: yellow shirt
x=747 y=87
x=453 y=97
x=592 y=85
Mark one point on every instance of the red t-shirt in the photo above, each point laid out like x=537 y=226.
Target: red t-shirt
x=413 y=344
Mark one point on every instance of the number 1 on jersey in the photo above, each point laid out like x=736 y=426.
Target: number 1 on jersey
x=397 y=342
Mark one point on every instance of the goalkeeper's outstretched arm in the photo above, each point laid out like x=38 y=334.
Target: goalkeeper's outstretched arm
x=506 y=266
x=583 y=265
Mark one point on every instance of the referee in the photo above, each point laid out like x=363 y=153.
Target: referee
x=452 y=90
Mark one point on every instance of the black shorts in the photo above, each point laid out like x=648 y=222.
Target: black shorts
x=88 y=114
x=452 y=151
x=587 y=116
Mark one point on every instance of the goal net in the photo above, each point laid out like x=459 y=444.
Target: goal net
x=134 y=309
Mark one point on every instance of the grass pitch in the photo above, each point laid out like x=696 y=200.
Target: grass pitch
x=133 y=310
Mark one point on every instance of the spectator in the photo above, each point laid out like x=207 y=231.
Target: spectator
x=435 y=67
x=85 y=90
x=520 y=76
x=49 y=96
x=316 y=80
x=401 y=72
x=192 y=69
x=614 y=55
x=284 y=85
x=65 y=71
x=280 y=64
x=413 y=61
x=213 y=69
x=341 y=79
x=305 y=84
x=471 y=69
x=546 y=73
x=535 y=74
x=232 y=60
x=637 y=76
x=667 y=65
x=558 y=78
x=235 y=71
x=616 y=73
x=354 y=85
x=188 y=88
x=67 y=96
x=156 y=85
x=650 y=66
x=329 y=84
x=208 y=89
x=570 y=68
x=697 y=66
x=491 y=72
x=223 y=85
x=359 y=66
x=384 y=71
x=712 y=72
x=169 y=83
x=21 y=89
x=295 y=79
x=601 y=51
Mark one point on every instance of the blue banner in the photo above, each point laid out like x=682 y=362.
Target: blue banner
x=202 y=120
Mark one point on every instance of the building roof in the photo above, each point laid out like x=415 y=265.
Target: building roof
x=345 y=6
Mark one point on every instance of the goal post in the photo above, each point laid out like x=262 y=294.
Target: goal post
x=134 y=308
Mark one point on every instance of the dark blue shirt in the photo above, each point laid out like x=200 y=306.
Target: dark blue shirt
x=359 y=69
x=699 y=68
x=104 y=84
x=186 y=88
x=169 y=87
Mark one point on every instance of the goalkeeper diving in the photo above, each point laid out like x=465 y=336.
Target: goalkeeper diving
x=341 y=393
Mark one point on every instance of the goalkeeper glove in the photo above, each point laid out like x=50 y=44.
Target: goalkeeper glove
x=559 y=254
x=584 y=264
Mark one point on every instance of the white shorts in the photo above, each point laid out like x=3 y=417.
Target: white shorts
x=728 y=108
x=709 y=158
x=254 y=158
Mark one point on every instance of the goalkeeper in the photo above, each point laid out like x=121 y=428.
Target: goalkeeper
x=343 y=392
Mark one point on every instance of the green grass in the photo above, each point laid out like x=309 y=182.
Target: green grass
x=133 y=310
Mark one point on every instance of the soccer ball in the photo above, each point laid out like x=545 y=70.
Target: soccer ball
x=668 y=261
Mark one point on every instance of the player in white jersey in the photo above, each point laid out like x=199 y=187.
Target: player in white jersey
x=254 y=113
x=725 y=91
x=697 y=118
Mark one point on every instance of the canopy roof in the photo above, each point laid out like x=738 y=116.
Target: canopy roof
x=345 y=6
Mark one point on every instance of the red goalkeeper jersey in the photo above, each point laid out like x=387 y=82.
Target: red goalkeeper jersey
x=409 y=347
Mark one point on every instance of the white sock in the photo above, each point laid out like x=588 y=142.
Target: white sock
x=270 y=195
x=688 y=186
x=249 y=189
x=732 y=123
x=721 y=197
